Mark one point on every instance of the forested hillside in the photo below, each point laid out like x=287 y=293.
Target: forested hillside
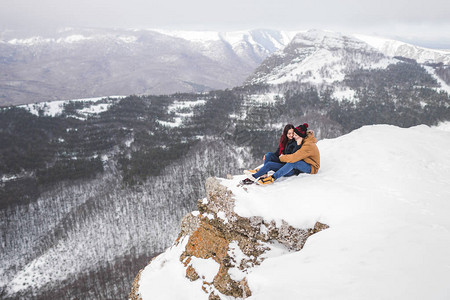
x=90 y=191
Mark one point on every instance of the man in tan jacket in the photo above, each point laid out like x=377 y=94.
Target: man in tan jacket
x=305 y=160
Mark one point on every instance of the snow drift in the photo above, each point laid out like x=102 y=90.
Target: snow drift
x=383 y=190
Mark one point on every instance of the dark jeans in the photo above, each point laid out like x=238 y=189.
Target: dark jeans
x=271 y=163
x=288 y=168
x=270 y=156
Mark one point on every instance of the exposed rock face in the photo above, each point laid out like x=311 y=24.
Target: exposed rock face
x=237 y=244
x=134 y=294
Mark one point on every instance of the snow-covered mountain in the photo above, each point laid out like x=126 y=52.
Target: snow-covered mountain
x=330 y=60
x=262 y=42
x=83 y=63
x=396 y=48
x=318 y=57
x=91 y=189
x=386 y=205
x=102 y=184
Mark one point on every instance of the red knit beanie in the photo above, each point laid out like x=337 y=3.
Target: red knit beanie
x=300 y=130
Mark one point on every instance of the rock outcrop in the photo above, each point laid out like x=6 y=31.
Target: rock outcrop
x=236 y=243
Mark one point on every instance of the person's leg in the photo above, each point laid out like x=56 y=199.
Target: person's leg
x=269 y=166
x=288 y=169
x=302 y=167
x=270 y=156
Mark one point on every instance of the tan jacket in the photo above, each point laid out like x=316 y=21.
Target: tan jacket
x=309 y=153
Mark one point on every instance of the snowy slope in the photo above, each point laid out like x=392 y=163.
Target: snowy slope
x=319 y=57
x=396 y=48
x=383 y=191
x=262 y=42
x=55 y=108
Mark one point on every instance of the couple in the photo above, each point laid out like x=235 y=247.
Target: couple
x=297 y=153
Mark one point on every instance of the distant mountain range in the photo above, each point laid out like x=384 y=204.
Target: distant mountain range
x=327 y=59
x=396 y=48
x=82 y=63
x=89 y=63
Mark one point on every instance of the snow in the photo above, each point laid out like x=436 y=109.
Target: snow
x=383 y=190
x=6 y=178
x=179 y=108
x=397 y=48
x=345 y=93
x=257 y=44
x=310 y=68
x=443 y=126
x=233 y=38
x=209 y=216
x=221 y=215
x=28 y=41
x=56 y=108
x=75 y=38
x=320 y=59
x=179 y=105
x=129 y=142
x=194 y=36
x=177 y=123
x=168 y=265
x=443 y=86
x=206 y=268
x=235 y=251
x=50 y=109
x=128 y=39
x=268 y=98
x=94 y=109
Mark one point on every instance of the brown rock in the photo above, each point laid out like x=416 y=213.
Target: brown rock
x=191 y=274
x=227 y=286
x=189 y=224
x=319 y=227
x=210 y=237
x=207 y=242
x=213 y=296
x=134 y=294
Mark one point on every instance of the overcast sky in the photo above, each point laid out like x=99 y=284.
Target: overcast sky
x=425 y=22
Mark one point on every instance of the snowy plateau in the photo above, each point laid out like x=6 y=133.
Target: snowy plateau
x=384 y=192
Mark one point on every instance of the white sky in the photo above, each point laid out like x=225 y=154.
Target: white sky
x=427 y=22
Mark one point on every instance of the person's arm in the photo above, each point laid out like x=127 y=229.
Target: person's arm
x=304 y=152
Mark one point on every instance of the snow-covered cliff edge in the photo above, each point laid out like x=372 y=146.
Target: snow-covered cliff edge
x=382 y=190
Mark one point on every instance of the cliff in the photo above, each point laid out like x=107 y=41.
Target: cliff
x=382 y=190
x=235 y=243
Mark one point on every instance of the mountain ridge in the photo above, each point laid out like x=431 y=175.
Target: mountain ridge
x=86 y=63
x=83 y=63
x=331 y=60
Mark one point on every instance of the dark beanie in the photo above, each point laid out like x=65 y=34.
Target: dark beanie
x=300 y=130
